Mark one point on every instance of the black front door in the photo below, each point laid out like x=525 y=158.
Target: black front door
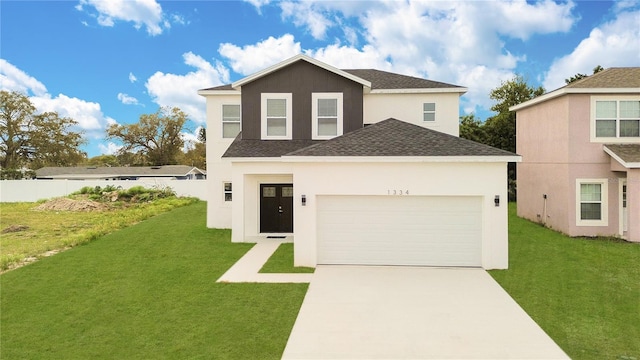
x=276 y=208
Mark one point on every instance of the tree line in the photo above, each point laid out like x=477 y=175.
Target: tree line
x=30 y=140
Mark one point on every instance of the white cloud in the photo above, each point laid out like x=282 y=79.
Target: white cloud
x=132 y=78
x=88 y=114
x=304 y=14
x=14 y=79
x=172 y=90
x=147 y=13
x=127 y=100
x=462 y=43
x=614 y=43
x=345 y=57
x=190 y=139
x=109 y=149
x=251 y=58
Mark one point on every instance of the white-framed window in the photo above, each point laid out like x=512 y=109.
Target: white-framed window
x=276 y=112
x=228 y=194
x=592 y=202
x=429 y=111
x=326 y=109
x=230 y=121
x=615 y=119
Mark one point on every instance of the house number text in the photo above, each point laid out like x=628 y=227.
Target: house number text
x=397 y=192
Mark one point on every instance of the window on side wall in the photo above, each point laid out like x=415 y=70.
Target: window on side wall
x=276 y=113
x=617 y=119
x=429 y=111
x=591 y=201
x=228 y=196
x=327 y=115
x=230 y=121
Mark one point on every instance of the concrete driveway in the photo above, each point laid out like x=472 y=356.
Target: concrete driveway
x=373 y=312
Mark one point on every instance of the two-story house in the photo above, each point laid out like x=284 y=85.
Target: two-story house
x=355 y=167
x=580 y=146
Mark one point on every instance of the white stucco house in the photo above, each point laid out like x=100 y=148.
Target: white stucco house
x=355 y=167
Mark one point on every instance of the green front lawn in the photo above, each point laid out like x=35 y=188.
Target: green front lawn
x=584 y=293
x=149 y=292
x=145 y=292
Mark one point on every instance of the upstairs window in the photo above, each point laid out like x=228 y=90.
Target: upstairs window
x=230 y=121
x=227 y=192
x=429 y=111
x=617 y=118
x=326 y=115
x=276 y=116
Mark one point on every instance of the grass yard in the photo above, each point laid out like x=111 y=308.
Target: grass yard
x=149 y=292
x=282 y=262
x=145 y=292
x=584 y=293
x=54 y=230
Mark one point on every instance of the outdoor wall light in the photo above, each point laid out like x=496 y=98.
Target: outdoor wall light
x=304 y=200
x=496 y=200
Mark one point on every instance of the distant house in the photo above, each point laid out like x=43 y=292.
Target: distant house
x=580 y=147
x=167 y=172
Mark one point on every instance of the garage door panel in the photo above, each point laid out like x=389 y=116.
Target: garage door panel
x=381 y=230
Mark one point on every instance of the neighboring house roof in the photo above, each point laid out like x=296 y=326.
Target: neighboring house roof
x=117 y=171
x=376 y=80
x=613 y=80
x=628 y=155
x=388 y=138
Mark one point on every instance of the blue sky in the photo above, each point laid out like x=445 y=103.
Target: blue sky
x=101 y=61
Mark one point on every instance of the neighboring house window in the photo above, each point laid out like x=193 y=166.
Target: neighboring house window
x=615 y=118
x=276 y=111
x=227 y=192
x=591 y=201
x=429 y=111
x=327 y=115
x=230 y=121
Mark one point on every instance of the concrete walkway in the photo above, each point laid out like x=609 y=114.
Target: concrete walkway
x=246 y=269
x=371 y=312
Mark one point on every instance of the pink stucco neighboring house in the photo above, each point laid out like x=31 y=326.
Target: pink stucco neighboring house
x=580 y=148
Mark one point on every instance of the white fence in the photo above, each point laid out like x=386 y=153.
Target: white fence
x=34 y=190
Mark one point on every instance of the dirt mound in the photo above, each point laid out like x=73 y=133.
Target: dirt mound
x=66 y=204
x=14 y=228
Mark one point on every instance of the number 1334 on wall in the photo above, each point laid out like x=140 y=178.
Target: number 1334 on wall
x=397 y=192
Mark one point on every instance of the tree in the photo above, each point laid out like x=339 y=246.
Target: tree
x=472 y=128
x=579 y=76
x=34 y=140
x=156 y=137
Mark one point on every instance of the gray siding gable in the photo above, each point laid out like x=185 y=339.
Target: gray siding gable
x=301 y=79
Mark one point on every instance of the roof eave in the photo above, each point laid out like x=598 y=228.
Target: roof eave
x=564 y=91
x=238 y=84
x=628 y=165
x=205 y=92
x=406 y=159
x=460 y=90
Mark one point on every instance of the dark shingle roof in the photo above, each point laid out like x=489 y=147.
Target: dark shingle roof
x=93 y=171
x=386 y=80
x=264 y=148
x=627 y=77
x=226 y=87
x=382 y=80
x=629 y=153
x=393 y=137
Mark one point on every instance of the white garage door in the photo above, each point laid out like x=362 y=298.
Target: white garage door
x=399 y=230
